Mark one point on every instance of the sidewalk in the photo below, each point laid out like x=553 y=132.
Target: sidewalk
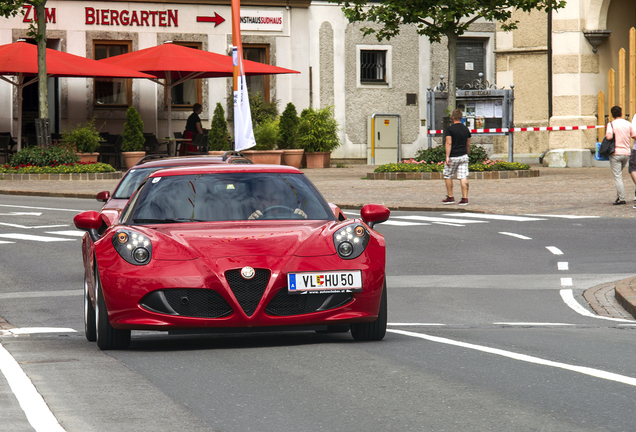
x=572 y=191
x=568 y=191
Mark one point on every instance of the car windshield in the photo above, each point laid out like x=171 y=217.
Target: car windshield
x=132 y=180
x=228 y=197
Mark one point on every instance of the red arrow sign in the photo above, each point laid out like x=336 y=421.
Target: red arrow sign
x=216 y=19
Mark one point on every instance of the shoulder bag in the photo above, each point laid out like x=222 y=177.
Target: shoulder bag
x=608 y=147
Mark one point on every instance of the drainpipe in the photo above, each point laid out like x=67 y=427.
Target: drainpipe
x=549 y=64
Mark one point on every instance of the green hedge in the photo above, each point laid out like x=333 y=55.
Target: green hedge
x=80 y=167
x=415 y=166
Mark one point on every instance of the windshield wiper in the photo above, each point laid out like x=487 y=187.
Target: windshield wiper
x=167 y=220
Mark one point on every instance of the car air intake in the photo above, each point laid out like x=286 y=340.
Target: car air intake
x=248 y=292
x=285 y=304
x=199 y=303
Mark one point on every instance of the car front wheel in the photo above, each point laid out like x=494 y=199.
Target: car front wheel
x=108 y=338
x=374 y=330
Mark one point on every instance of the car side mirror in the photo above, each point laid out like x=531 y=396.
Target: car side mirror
x=103 y=196
x=89 y=221
x=374 y=214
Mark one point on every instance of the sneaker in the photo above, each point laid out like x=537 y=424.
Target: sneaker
x=448 y=200
x=619 y=202
x=464 y=201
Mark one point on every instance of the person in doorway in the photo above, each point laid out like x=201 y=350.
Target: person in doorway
x=622 y=131
x=192 y=128
x=457 y=143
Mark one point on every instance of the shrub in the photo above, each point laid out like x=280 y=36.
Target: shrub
x=288 y=127
x=318 y=130
x=133 y=136
x=85 y=138
x=79 y=167
x=261 y=110
x=218 y=135
x=266 y=135
x=38 y=156
x=437 y=154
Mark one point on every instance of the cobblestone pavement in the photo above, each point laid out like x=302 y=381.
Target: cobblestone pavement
x=573 y=191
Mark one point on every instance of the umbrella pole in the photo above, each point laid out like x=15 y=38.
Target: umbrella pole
x=169 y=99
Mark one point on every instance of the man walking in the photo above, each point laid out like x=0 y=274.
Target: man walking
x=457 y=142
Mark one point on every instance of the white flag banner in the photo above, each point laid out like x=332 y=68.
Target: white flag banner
x=243 y=132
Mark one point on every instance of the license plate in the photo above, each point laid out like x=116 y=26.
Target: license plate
x=333 y=282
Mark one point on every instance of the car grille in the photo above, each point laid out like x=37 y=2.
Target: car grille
x=285 y=304
x=248 y=292
x=199 y=303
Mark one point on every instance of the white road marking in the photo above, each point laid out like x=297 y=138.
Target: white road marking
x=555 y=250
x=75 y=233
x=446 y=223
x=496 y=217
x=597 y=373
x=41 y=208
x=519 y=236
x=566 y=281
x=30 y=227
x=439 y=219
x=399 y=223
x=21 y=214
x=568 y=298
x=565 y=216
x=35 y=294
x=6 y=242
x=37 y=412
x=35 y=330
x=532 y=324
x=34 y=238
x=563 y=265
x=416 y=324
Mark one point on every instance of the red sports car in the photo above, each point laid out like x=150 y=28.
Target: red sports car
x=232 y=247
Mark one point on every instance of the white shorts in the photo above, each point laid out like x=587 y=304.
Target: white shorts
x=457 y=165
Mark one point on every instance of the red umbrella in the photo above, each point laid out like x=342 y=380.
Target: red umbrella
x=176 y=64
x=21 y=59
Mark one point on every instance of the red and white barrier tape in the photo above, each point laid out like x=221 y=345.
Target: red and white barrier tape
x=522 y=129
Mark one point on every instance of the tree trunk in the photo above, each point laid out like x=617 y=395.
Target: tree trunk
x=43 y=101
x=452 y=69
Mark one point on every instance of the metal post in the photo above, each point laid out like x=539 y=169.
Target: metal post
x=430 y=107
x=511 y=123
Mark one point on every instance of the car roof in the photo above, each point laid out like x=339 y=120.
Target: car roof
x=225 y=169
x=186 y=160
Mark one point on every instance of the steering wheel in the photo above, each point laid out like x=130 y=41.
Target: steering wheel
x=279 y=207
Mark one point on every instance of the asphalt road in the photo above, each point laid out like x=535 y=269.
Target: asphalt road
x=481 y=338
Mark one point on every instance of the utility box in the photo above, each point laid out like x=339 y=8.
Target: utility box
x=383 y=139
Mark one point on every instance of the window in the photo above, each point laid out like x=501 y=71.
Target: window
x=112 y=92
x=257 y=83
x=189 y=92
x=372 y=66
x=471 y=56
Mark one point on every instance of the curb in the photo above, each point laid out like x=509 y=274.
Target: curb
x=626 y=294
x=49 y=194
x=473 y=175
x=63 y=177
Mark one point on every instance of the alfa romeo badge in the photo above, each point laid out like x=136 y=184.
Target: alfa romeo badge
x=247 y=272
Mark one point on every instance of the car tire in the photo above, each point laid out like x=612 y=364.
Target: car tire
x=90 y=326
x=108 y=338
x=374 y=330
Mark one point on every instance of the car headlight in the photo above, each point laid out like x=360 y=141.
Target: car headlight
x=133 y=247
x=351 y=241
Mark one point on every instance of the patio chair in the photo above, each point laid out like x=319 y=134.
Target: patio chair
x=152 y=145
x=5 y=147
x=199 y=145
x=110 y=151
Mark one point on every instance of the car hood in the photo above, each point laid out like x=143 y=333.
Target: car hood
x=231 y=239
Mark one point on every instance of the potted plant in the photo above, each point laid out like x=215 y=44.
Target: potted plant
x=288 y=134
x=86 y=139
x=132 y=145
x=318 y=136
x=264 y=152
x=218 y=135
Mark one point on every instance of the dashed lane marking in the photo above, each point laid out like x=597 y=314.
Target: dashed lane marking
x=566 y=281
x=75 y=233
x=41 y=208
x=519 y=236
x=563 y=265
x=439 y=219
x=401 y=223
x=496 y=217
x=34 y=238
x=565 y=216
x=555 y=250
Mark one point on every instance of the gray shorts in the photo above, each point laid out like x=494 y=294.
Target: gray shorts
x=457 y=165
x=632 y=161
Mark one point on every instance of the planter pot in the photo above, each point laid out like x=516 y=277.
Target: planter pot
x=269 y=157
x=216 y=153
x=88 y=157
x=318 y=159
x=131 y=158
x=293 y=157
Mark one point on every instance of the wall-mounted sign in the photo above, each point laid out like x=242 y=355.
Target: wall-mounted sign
x=142 y=18
x=261 y=20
